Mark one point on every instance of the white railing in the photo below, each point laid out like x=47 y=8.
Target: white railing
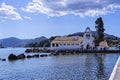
x=114 y=70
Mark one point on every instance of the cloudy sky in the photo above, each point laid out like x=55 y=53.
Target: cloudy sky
x=35 y=18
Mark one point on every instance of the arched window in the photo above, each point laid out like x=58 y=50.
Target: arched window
x=57 y=45
x=53 y=45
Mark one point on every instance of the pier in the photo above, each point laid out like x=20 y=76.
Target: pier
x=115 y=75
x=47 y=50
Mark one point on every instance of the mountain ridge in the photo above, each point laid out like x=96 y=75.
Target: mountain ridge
x=16 y=42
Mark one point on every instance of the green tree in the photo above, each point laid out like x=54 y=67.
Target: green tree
x=100 y=29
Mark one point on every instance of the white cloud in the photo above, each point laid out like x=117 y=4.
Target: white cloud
x=76 y=7
x=2 y=20
x=8 y=12
x=27 y=17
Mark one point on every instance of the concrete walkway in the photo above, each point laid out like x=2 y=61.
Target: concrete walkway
x=115 y=75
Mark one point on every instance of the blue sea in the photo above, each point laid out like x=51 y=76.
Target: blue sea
x=63 y=67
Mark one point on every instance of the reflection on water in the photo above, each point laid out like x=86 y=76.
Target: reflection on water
x=67 y=67
x=100 y=67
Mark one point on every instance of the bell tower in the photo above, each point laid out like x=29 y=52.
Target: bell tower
x=88 y=40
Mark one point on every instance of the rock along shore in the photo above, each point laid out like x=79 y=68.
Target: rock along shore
x=12 y=57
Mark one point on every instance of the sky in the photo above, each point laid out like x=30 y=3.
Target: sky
x=26 y=19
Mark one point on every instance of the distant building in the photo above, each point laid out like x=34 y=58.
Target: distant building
x=102 y=45
x=74 y=42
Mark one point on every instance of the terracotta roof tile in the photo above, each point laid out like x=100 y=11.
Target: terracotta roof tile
x=103 y=43
x=68 y=40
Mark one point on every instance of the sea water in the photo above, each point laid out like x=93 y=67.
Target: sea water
x=63 y=67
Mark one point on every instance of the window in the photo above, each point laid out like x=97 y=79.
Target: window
x=88 y=35
x=72 y=44
x=68 y=44
x=57 y=45
x=53 y=45
x=74 y=38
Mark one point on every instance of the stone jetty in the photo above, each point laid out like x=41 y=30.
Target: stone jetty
x=53 y=53
x=42 y=50
x=39 y=50
x=33 y=56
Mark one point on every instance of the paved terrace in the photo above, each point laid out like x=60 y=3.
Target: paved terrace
x=115 y=75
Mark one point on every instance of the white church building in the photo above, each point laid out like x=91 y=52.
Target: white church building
x=88 y=40
x=74 y=42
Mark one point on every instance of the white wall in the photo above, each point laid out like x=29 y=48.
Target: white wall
x=113 y=48
x=66 y=47
x=86 y=42
x=100 y=47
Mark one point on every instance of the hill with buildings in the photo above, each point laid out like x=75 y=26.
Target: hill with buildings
x=111 y=39
x=45 y=42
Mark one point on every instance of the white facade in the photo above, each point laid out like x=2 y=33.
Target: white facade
x=101 y=48
x=88 y=40
x=113 y=48
x=66 y=43
x=66 y=47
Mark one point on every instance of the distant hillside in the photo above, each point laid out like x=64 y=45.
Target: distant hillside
x=42 y=38
x=44 y=43
x=94 y=33
x=9 y=42
x=16 y=42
